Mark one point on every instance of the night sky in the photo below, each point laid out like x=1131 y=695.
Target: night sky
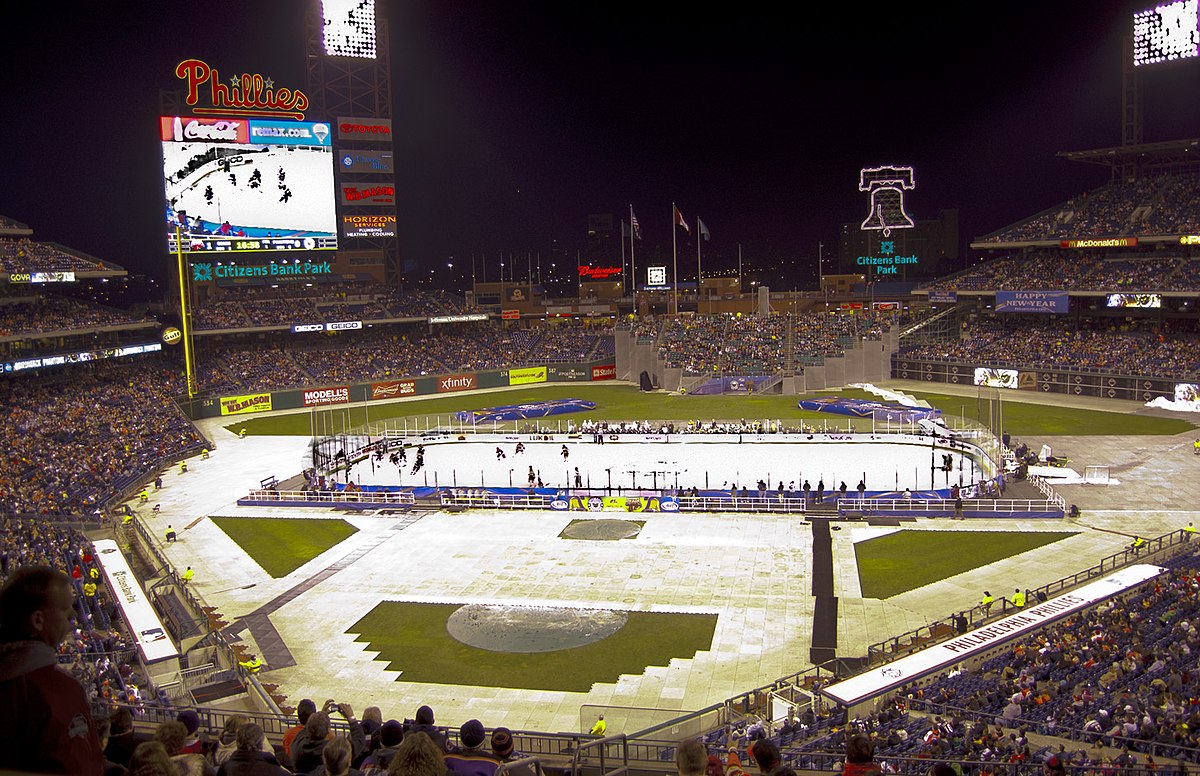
x=515 y=120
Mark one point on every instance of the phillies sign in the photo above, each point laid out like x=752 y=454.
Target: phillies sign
x=248 y=94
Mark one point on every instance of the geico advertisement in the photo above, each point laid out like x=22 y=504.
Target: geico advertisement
x=527 y=375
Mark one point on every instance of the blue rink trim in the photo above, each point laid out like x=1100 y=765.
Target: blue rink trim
x=862 y=408
x=537 y=409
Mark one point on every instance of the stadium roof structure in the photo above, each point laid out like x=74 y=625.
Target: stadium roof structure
x=1157 y=158
x=11 y=227
x=82 y=266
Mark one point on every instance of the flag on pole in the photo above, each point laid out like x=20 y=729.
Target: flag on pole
x=637 y=228
x=700 y=227
x=679 y=220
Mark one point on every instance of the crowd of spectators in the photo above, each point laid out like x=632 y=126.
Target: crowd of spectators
x=1123 y=675
x=1166 y=349
x=24 y=255
x=100 y=653
x=752 y=344
x=71 y=439
x=1063 y=271
x=376 y=353
x=286 y=305
x=11 y=224
x=1162 y=205
x=56 y=313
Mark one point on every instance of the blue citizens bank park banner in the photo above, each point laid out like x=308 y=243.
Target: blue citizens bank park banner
x=1032 y=302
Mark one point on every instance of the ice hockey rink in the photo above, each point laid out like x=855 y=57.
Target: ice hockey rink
x=754 y=572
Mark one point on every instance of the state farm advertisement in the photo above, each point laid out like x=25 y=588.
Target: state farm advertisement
x=324 y=396
x=605 y=372
x=393 y=389
x=455 y=383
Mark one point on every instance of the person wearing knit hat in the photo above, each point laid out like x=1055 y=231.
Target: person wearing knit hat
x=472 y=759
x=391 y=733
x=502 y=743
x=194 y=744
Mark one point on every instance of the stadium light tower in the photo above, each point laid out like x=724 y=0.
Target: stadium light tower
x=350 y=85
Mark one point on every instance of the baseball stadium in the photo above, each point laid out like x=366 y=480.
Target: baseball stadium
x=948 y=514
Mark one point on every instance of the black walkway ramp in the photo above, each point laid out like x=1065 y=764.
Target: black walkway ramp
x=823 y=646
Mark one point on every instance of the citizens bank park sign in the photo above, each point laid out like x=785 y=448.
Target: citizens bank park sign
x=324 y=396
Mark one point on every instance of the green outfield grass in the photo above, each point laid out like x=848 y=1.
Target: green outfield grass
x=1038 y=419
x=906 y=560
x=412 y=637
x=282 y=545
x=626 y=402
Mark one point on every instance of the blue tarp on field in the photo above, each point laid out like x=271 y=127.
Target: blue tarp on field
x=537 y=409
x=861 y=408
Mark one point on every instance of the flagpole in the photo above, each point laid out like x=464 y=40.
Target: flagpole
x=632 y=261
x=674 y=257
x=699 y=237
x=739 y=268
x=623 y=256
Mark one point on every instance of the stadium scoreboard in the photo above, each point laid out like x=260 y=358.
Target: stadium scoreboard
x=1166 y=32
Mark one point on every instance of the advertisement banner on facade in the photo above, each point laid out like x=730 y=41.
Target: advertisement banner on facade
x=455 y=383
x=527 y=375
x=240 y=405
x=366 y=161
x=354 y=194
x=367 y=130
x=604 y=372
x=325 y=396
x=995 y=378
x=368 y=225
x=943 y=297
x=572 y=374
x=1032 y=302
x=393 y=389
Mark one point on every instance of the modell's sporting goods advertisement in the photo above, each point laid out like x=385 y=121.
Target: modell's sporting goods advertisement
x=237 y=184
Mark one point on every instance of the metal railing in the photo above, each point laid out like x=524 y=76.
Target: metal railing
x=945 y=507
x=360 y=497
x=600 y=753
x=1040 y=726
x=944 y=629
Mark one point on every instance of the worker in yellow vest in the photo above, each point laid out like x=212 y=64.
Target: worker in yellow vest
x=187 y=575
x=987 y=602
x=1018 y=598
x=600 y=726
x=1188 y=532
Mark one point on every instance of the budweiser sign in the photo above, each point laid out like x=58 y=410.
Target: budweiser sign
x=248 y=94
x=323 y=396
x=454 y=383
x=393 y=389
x=605 y=372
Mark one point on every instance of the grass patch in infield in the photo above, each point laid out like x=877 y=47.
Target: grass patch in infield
x=905 y=560
x=1035 y=419
x=412 y=638
x=282 y=544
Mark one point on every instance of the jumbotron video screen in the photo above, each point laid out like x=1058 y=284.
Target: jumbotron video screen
x=235 y=184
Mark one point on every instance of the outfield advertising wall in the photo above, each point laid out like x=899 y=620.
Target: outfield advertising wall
x=1073 y=382
x=380 y=390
